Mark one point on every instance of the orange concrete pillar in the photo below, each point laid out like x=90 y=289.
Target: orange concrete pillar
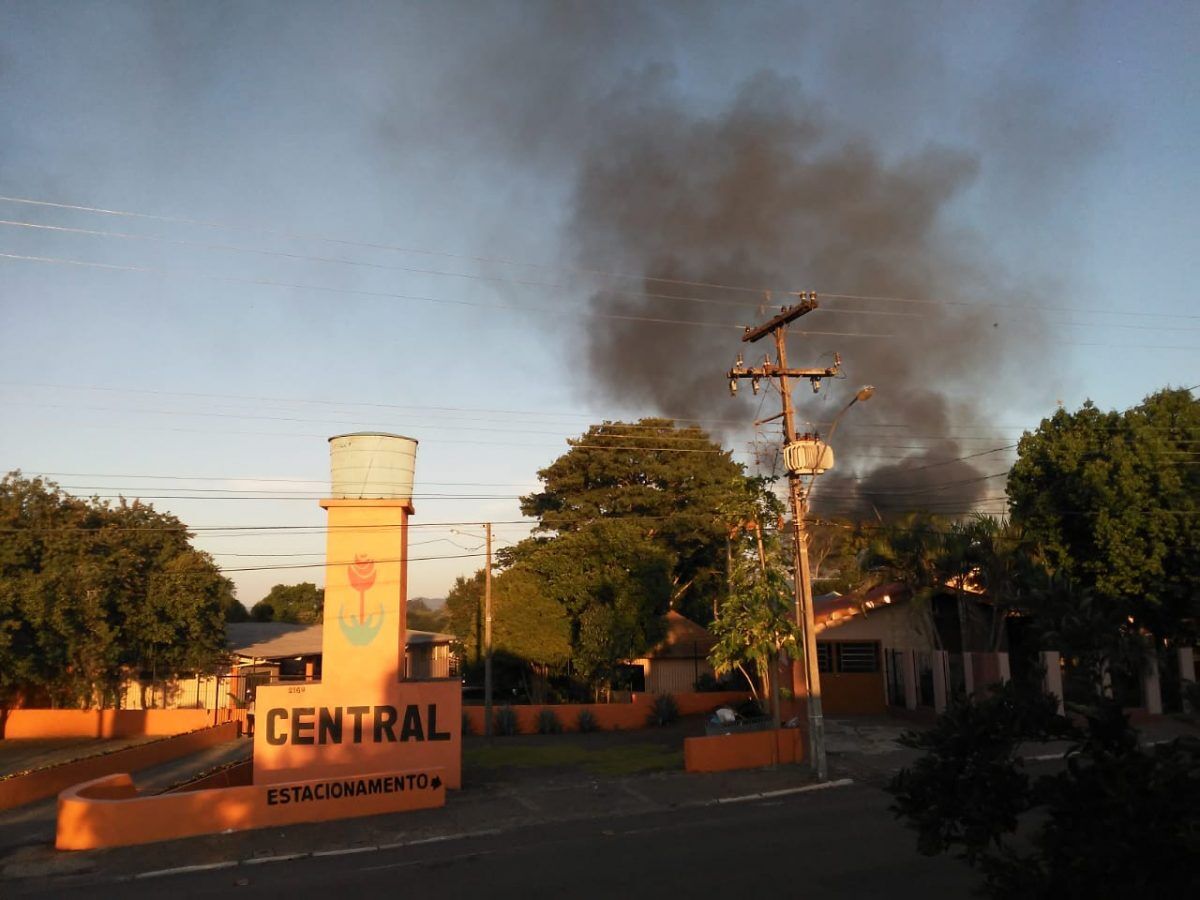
x=362 y=716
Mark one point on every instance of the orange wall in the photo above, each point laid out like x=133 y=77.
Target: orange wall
x=108 y=812
x=292 y=761
x=751 y=750
x=609 y=716
x=107 y=723
x=42 y=783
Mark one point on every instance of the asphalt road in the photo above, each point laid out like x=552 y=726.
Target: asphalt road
x=833 y=843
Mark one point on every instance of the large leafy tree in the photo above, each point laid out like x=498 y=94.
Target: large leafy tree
x=680 y=487
x=1114 y=501
x=527 y=623
x=614 y=584
x=93 y=592
x=301 y=604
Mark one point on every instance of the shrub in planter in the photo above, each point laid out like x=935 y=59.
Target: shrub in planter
x=547 y=722
x=664 y=711
x=504 y=722
x=587 y=721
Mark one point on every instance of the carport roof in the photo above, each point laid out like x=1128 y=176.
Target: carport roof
x=283 y=640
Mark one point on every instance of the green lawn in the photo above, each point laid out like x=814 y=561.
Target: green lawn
x=626 y=759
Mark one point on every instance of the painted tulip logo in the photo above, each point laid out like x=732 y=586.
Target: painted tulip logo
x=361 y=631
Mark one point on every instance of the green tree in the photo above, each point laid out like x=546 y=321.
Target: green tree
x=421 y=616
x=92 y=592
x=614 y=585
x=464 y=614
x=682 y=487
x=1114 y=502
x=299 y=604
x=911 y=551
x=756 y=626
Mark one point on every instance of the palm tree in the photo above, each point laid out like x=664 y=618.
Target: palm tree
x=911 y=552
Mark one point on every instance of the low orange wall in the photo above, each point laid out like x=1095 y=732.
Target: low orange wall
x=751 y=750
x=609 y=716
x=108 y=812
x=108 y=723
x=41 y=783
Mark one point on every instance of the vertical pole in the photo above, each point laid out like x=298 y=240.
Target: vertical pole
x=487 y=636
x=803 y=586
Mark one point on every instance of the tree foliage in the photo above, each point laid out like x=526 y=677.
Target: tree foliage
x=614 y=585
x=756 y=624
x=300 y=604
x=1114 y=502
x=92 y=592
x=1119 y=820
x=681 y=488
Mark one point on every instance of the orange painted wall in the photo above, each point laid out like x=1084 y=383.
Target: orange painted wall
x=107 y=723
x=609 y=716
x=108 y=812
x=291 y=762
x=41 y=783
x=751 y=750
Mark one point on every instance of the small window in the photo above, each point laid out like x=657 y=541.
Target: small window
x=857 y=656
x=824 y=657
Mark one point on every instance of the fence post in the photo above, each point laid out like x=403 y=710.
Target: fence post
x=1052 y=682
x=909 y=663
x=940 y=680
x=968 y=662
x=1187 y=672
x=1151 y=688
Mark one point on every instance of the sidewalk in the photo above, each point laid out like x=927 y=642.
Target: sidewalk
x=27 y=833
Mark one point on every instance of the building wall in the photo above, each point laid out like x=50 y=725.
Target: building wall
x=899 y=627
x=673 y=676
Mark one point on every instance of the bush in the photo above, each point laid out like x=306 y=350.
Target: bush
x=1191 y=697
x=547 y=722
x=467 y=728
x=504 y=722
x=1069 y=833
x=707 y=684
x=664 y=711
x=587 y=721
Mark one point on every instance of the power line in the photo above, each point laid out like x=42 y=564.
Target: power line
x=759 y=290
x=414 y=270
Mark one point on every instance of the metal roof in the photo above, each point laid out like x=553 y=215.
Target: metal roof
x=280 y=640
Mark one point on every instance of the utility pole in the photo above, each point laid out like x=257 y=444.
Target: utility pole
x=777 y=328
x=487 y=635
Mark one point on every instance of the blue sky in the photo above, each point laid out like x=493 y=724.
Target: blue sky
x=231 y=350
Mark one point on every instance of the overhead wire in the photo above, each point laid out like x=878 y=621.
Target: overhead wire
x=498 y=260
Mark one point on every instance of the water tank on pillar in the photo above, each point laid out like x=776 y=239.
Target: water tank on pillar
x=372 y=466
x=808 y=455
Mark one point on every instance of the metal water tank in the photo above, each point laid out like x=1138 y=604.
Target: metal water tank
x=808 y=456
x=372 y=466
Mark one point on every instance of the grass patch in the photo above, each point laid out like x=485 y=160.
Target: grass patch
x=630 y=759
